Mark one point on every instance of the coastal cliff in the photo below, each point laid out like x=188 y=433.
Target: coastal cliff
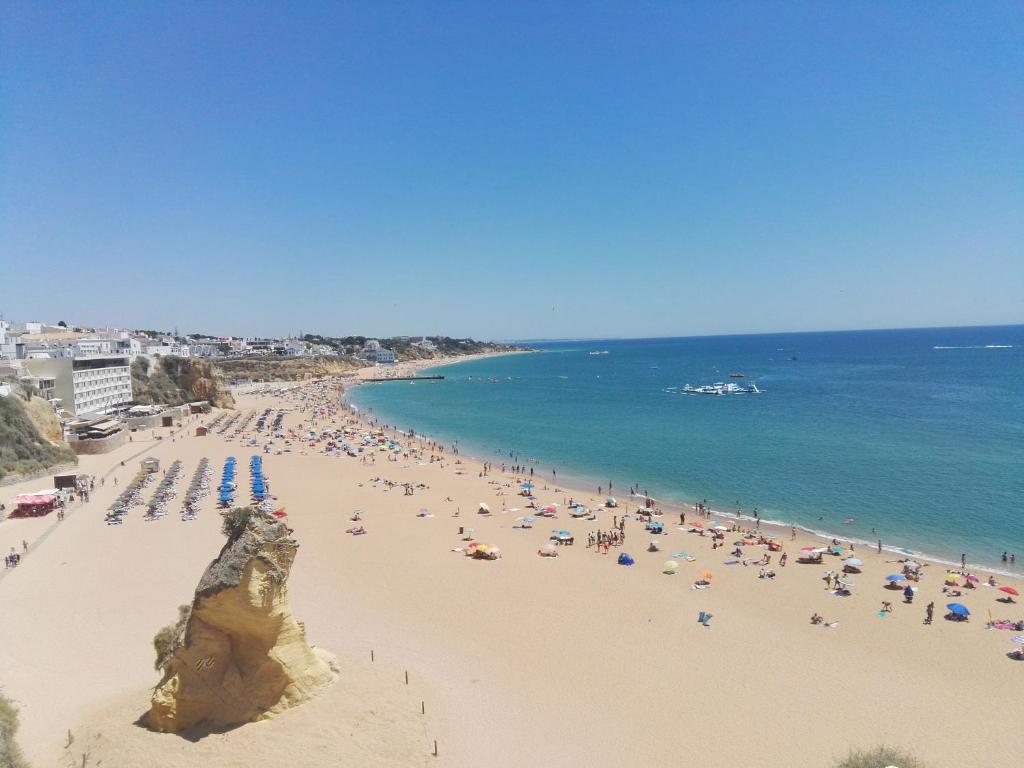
x=238 y=655
x=31 y=439
x=178 y=380
x=286 y=368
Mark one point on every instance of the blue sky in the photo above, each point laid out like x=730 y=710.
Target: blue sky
x=512 y=170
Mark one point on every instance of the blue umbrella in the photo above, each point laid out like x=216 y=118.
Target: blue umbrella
x=894 y=577
x=561 y=533
x=959 y=609
x=527 y=486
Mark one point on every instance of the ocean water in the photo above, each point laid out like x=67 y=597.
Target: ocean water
x=918 y=434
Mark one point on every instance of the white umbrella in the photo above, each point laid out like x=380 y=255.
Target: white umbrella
x=484 y=507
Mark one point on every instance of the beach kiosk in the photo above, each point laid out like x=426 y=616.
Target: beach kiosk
x=150 y=465
x=34 y=505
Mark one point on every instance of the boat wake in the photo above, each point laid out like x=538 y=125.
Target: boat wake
x=979 y=346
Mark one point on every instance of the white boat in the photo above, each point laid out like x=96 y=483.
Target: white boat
x=600 y=352
x=720 y=389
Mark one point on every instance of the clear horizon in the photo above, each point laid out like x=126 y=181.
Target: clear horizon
x=537 y=170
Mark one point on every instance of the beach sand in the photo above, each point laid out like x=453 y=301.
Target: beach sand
x=566 y=661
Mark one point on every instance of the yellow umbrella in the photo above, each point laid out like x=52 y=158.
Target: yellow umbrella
x=671 y=566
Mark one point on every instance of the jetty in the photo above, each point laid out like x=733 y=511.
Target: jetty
x=408 y=378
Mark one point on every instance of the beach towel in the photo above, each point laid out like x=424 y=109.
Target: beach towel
x=731 y=562
x=679 y=554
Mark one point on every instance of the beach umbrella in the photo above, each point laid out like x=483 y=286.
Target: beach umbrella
x=854 y=561
x=484 y=507
x=807 y=549
x=1010 y=591
x=611 y=502
x=720 y=528
x=526 y=486
x=625 y=559
x=526 y=519
x=671 y=566
x=549 y=550
x=561 y=533
x=1019 y=640
x=696 y=524
x=705 y=575
x=959 y=609
x=971 y=577
x=846 y=582
x=894 y=577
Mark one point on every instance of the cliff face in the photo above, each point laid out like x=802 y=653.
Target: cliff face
x=23 y=448
x=178 y=380
x=286 y=368
x=243 y=656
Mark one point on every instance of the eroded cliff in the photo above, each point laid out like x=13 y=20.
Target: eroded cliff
x=240 y=655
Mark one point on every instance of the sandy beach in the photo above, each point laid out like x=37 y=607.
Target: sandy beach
x=520 y=660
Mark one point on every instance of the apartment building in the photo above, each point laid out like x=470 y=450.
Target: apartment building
x=85 y=384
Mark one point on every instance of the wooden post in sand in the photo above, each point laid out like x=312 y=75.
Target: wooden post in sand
x=435 y=747
x=407 y=677
x=371 y=654
x=423 y=707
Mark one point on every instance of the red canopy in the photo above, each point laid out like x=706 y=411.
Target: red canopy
x=30 y=505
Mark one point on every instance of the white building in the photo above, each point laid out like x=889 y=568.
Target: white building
x=425 y=344
x=384 y=356
x=166 y=350
x=84 y=384
x=92 y=347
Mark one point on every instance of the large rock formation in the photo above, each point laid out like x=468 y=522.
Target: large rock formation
x=240 y=656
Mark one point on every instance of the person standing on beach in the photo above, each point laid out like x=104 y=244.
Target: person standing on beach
x=929 y=611
x=963 y=560
x=879 y=546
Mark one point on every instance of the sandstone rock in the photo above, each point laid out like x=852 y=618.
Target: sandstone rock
x=242 y=655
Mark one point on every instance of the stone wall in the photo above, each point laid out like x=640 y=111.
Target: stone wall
x=56 y=469
x=100 y=445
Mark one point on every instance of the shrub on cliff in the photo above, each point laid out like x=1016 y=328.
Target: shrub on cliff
x=22 y=448
x=879 y=757
x=166 y=641
x=235 y=522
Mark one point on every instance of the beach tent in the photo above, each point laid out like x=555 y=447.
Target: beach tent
x=625 y=559
x=33 y=505
x=670 y=567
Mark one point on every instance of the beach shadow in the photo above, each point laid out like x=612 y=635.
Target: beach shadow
x=194 y=734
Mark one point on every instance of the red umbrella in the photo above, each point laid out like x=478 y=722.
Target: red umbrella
x=1010 y=591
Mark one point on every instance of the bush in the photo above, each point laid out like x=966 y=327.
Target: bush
x=879 y=757
x=235 y=522
x=167 y=640
x=22 y=448
x=10 y=754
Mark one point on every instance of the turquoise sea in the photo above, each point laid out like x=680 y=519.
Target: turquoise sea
x=918 y=434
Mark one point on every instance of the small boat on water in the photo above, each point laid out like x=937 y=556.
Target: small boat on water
x=737 y=375
x=719 y=389
x=600 y=352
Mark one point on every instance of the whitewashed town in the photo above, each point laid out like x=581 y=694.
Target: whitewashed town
x=101 y=383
